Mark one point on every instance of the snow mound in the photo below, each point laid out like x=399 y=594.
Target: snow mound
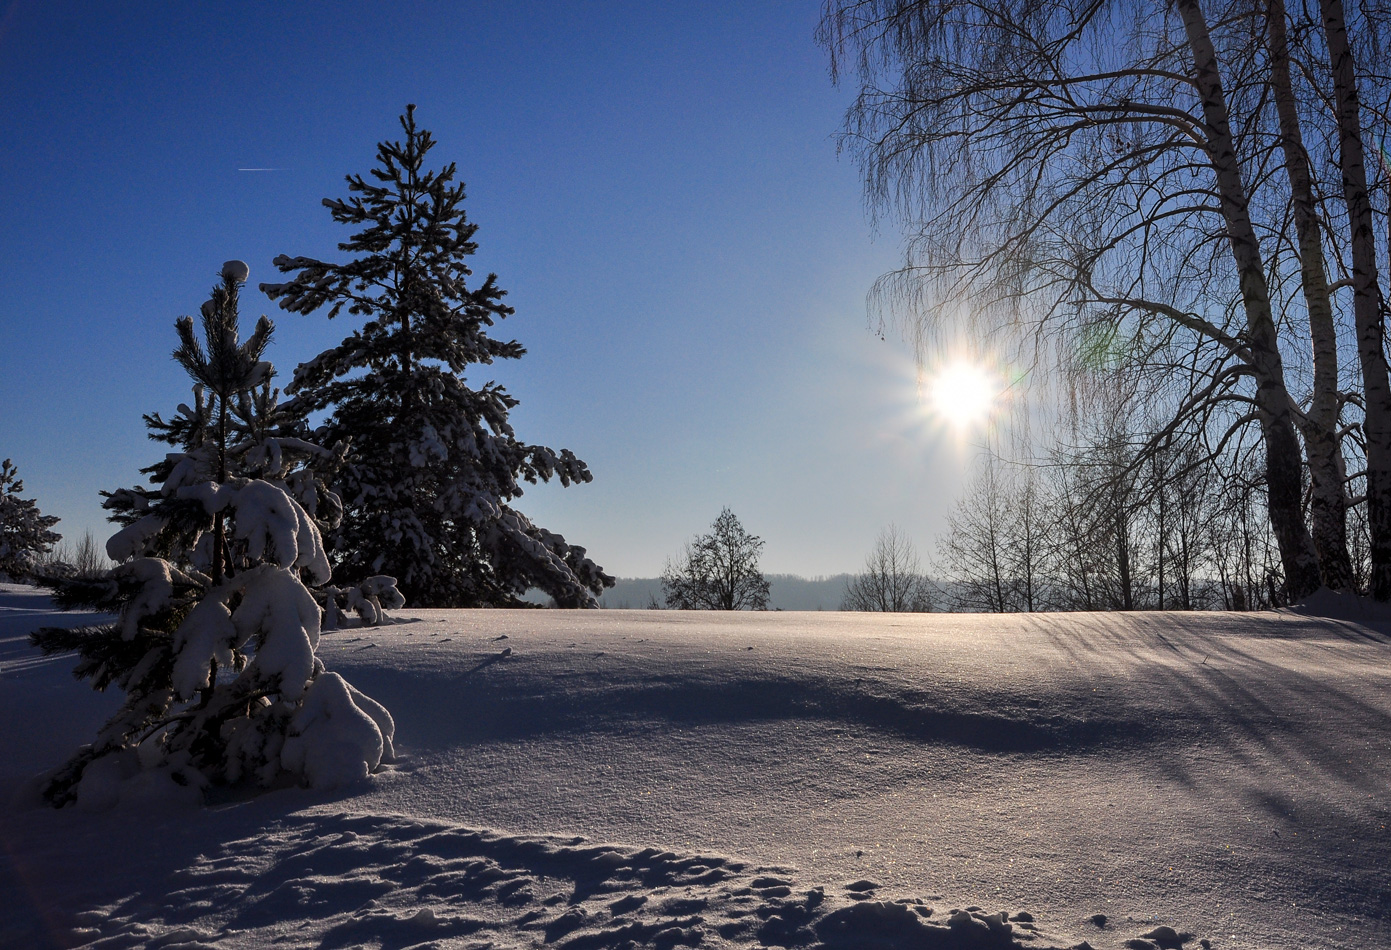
x=333 y=741
x=343 y=880
x=1128 y=779
x=1337 y=605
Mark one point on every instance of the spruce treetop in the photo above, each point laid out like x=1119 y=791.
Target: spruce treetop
x=409 y=273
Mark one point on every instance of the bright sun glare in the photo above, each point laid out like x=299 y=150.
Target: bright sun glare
x=963 y=394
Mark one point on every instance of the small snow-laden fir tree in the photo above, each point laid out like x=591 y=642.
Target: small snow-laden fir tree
x=435 y=463
x=216 y=631
x=25 y=535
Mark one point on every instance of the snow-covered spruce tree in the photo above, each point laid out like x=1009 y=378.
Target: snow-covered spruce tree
x=24 y=531
x=435 y=463
x=215 y=637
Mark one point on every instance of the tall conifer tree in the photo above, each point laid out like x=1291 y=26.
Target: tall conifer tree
x=24 y=530
x=435 y=465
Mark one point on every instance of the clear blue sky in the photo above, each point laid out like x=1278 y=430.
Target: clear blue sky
x=656 y=185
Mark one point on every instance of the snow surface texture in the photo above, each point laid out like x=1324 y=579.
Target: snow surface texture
x=790 y=780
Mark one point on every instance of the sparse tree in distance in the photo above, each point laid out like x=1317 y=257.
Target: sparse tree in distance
x=974 y=553
x=892 y=581
x=85 y=559
x=25 y=535
x=718 y=571
x=88 y=558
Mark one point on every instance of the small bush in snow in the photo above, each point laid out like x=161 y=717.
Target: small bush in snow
x=216 y=630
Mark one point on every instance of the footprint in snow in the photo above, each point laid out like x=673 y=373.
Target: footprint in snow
x=352 y=880
x=1167 y=938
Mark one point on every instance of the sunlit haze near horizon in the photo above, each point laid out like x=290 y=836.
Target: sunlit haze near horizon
x=657 y=187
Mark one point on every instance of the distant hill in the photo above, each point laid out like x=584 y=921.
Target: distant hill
x=792 y=592
x=788 y=592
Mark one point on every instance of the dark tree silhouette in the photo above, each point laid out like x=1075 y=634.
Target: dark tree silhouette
x=718 y=571
x=24 y=531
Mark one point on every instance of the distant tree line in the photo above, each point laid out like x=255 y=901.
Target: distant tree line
x=1105 y=522
x=720 y=571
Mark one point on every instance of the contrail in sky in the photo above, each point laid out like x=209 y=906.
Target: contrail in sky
x=260 y=169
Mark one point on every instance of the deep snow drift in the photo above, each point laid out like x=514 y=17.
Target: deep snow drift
x=591 y=779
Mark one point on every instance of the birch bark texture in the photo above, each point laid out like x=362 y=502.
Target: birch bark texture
x=1283 y=468
x=1327 y=467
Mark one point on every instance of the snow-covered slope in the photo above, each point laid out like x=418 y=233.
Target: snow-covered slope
x=788 y=779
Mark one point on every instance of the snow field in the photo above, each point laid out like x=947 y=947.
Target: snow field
x=342 y=880
x=1223 y=776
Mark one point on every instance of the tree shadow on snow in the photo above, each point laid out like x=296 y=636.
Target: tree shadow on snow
x=444 y=713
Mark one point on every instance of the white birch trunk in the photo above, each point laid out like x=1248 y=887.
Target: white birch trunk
x=1327 y=469
x=1366 y=299
x=1283 y=462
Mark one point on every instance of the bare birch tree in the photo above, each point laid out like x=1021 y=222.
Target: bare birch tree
x=1367 y=302
x=973 y=555
x=1115 y=165
x=1320 y=422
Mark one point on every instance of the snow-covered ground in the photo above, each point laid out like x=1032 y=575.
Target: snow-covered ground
x=676 y=779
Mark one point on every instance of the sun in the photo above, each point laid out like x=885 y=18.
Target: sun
x=963 y=394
